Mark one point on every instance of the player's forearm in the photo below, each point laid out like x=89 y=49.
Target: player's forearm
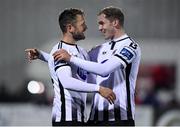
x=77 y=85
x=43 y=56
x=71 y=83
x=102 y=69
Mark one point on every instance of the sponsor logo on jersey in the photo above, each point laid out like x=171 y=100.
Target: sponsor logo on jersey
x=126 y=53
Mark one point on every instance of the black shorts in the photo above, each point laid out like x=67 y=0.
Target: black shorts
x=68 y=123
x=111 y=123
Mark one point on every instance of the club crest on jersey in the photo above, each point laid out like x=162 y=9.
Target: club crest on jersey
x=104 y=52
x=125 y=52
x=82 y=73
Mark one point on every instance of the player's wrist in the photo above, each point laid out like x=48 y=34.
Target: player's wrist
x=97 y=88
x=39 y=53
x=100 y=89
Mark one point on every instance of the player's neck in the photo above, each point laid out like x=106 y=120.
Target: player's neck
x=68 y=39
x=119 y=33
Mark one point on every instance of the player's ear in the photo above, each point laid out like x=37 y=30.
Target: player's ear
x=70 y=28
x=115 y=23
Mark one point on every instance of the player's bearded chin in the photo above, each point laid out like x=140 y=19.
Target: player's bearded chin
x=78 y=36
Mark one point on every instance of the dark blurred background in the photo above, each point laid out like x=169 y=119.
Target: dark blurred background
x=26 y=92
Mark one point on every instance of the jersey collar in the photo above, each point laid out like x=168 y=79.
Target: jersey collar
x=120 y=38
x=113 y=42
x=67 y=43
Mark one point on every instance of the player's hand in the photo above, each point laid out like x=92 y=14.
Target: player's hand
x=108 y=94
x=32 y=54
x=62 y=55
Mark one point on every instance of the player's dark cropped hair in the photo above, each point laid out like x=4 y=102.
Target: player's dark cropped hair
x=68 y=16
x=113 y=13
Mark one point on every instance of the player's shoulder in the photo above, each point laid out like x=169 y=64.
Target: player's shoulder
x=133 y=44
x=55 y=48
x=130 y=43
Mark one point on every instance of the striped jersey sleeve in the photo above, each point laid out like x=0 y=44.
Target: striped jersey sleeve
x=59 y=63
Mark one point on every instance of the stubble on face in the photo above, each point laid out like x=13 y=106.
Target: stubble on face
x=78 y=36
x=80 y=28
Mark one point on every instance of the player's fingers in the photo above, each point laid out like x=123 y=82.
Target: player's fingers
x=35 y=50
x=58 y=52
x=111 y=99
x=113 y=96
x=27 y=50
x=57 y=57
x=29 y=53
x=34 y=57
x=54 y=54
x=62 y=50
x=31 y=50
x=29 y=59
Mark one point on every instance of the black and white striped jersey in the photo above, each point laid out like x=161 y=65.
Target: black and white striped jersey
x=116 y=66
x=69 y=82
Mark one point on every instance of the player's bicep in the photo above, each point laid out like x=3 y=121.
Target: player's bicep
x=64 y=72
